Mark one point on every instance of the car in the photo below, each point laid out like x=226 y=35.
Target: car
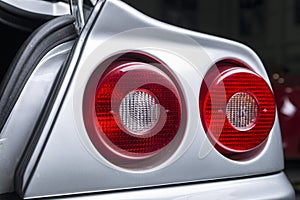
x=287 y=94
x=102 y=101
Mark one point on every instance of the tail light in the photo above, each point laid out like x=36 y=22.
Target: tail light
x=137 y=112
x=237 y=109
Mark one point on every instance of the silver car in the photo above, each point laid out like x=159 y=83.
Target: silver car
x=104 y=102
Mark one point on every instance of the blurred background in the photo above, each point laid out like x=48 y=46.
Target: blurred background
x=271 y=29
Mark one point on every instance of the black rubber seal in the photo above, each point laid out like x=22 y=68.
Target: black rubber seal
x=21 y=19
x=49 y=35
x=21 y=184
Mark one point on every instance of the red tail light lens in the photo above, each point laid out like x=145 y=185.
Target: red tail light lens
x=137 y=109
x=237 y=108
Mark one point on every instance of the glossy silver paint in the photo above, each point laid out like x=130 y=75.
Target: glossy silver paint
x=68 y=157
x=21 y=122
x=244 y=189
x=54 y=8
x=63 y=88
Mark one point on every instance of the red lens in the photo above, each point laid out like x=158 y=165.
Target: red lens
x=237 y=108
x=137 y=109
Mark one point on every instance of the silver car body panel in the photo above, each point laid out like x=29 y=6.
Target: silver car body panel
x=64 y=153
x=21 y=122
x=52 y=8
x=243 y=189
x=43 y=137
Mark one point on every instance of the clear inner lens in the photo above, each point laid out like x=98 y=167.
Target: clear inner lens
x=139 y=111
x=241 y=110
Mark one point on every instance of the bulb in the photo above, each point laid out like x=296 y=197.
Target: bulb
x=139 y=111
x=241 y=110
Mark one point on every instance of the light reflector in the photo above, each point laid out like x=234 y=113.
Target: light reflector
x=241 y=110
x=139 y=111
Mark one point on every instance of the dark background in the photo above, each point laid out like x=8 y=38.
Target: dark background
x=271 y=28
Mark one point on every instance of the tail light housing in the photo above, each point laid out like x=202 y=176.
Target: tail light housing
x=137 y=111
x=237 y=109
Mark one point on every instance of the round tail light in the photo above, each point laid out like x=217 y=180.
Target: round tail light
x=137 y=112
x=237 y=109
